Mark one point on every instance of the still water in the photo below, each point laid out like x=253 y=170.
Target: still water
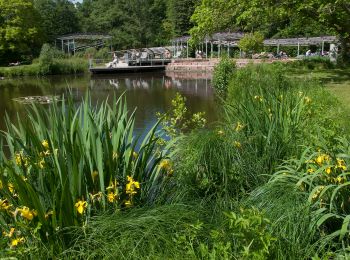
x=147 y=92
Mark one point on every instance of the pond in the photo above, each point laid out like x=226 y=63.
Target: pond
x=147 y=92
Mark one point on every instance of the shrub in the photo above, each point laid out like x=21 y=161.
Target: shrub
x=222 y=74
x=252 y=42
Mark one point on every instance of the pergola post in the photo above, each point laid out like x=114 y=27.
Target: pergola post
x=219 y=51
x=278 y=47
x=68 y=47
x=62 y=45
x=298 y=48
x=206 y=48
x=211 y=49
x=322 y=48
x=74 y=47
x=228 y=50
x=187 y=48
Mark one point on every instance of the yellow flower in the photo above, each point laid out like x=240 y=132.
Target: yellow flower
x=81 y=206
x=95 y=197
x=131 y=186
x=48 y=214
x=45 y=143
x=21 y=159
x=328 y=170
x=317 y=193
x=17 y=241
x=11 y=187
x=310 y=170
x=94 y=175
x=239 y=127
x=113 y=185
x=128 y=203
x=307 y=100
x=259 y=98
x=9 y=234
x=41 y=164
x=322 y=158
x=46 y=153
x=220 y=132
x=166 y=165
x=237 y=144
x=4 y=204
x=27 y=213
x=135 y=155
x=112 y=197
x=341 y=164
x=115 y=155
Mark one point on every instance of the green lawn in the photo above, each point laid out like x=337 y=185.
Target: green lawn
x=337 y=82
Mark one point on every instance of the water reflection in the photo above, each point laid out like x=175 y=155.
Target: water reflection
x=148 y=92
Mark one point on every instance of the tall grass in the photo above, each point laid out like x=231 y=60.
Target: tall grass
x=68 y=163
x=274 y=110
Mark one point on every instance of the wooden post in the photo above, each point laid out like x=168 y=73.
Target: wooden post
x=219 y=51
x=211 y=49
x=228 y=50
x=62 y=44
x=74 y=47
x=278 y=47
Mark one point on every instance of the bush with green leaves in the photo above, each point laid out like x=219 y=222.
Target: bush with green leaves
x=68 y=163
x=252 y=42
x=222 y=74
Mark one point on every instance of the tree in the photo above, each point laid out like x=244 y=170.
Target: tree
x=20 y=35
x=270 y=17
x=58 y=17
x=252 y=42
x=132 y=23
x=179 y=14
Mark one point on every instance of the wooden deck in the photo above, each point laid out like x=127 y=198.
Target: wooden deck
x=129 y=69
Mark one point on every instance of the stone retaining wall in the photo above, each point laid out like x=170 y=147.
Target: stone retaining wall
x=207 y=65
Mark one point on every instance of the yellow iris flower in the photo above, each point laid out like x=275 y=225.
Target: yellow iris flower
x=27 y=213
x=45 y=144
x=17 y=241
x=81 y=206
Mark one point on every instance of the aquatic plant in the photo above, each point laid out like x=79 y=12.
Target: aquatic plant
x=67 y=163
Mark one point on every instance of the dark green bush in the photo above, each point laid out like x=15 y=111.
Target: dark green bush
x=222 y=74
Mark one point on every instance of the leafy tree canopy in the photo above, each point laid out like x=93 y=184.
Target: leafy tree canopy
x=19 y=29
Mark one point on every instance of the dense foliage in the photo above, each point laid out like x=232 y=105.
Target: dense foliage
x=287 y=18
x=27 y=24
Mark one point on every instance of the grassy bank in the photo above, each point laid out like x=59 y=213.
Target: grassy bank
x=55 y=67
x=268 y=181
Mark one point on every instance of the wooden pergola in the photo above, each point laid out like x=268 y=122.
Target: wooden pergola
x=228 y=40
x=70 y=40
